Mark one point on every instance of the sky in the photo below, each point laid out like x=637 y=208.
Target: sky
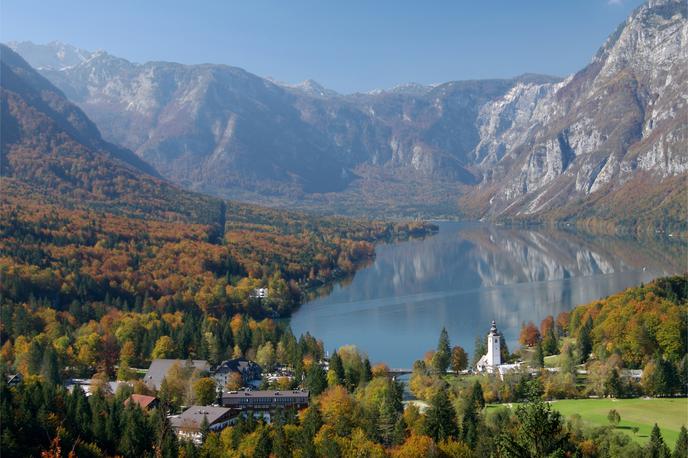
x=348 y=46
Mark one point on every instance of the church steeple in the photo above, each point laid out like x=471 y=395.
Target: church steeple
x=494 y=357
x=493 y=328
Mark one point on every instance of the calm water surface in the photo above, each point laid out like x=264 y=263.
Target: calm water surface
x=470 y=274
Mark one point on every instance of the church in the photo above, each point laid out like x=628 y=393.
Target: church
x=491 y=362
x=493 y=358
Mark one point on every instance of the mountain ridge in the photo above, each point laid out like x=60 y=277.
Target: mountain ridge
x=52 y=152
x=528 y=147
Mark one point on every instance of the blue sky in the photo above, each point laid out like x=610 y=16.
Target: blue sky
x=348 y=46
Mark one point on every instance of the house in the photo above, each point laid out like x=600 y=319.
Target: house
x=634 y=375
x=188 y=424
x=86 y=384
x=260 y=293
x=248 y=370
x=265 y=400
x=160 y=367
x=14 y=379
x=145 y=402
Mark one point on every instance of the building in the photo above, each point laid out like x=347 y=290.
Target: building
x=265 y=400
x=188 y=424
x=89 y=385
x=145 y=402
x=260 y=293
x=248 y=370
x=160 y=367
x=14 y=379
x=493 y=358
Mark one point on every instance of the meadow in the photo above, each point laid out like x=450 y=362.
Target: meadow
x=669 y=414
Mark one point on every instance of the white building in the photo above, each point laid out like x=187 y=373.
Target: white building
x=491 y=362
x=260 y=293
x=493 y=358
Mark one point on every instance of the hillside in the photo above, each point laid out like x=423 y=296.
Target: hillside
x=606 y=145
x=81 y=223
x=53 y=152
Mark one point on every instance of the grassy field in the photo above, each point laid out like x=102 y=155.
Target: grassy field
x=669 y=414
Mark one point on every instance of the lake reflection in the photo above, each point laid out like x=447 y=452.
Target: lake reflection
x=468 y=275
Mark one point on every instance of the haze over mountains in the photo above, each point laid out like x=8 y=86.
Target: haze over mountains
x=610 y=142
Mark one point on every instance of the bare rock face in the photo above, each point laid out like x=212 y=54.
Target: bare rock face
x=622 y=115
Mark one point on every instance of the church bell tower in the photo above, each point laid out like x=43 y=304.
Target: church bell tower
x=493 y=344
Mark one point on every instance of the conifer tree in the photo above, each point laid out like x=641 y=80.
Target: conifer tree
x=613 y=386
x=316 y=379
x=656 y=448
x=585 y=340
x=469 y=422
x=477 y=396
x=440 y=418
x=539 y=356
x=387 y=420
x=681 y=449
x=367 y=372
x=263 y=445
x=280 y=445
x=337 y=367
x=442 y=357
x=205 y=428
x=312 y=421
x=49 y=367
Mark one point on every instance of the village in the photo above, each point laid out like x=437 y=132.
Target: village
x=235 y=392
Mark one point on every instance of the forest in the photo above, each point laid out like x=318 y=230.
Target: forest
x=356 y=408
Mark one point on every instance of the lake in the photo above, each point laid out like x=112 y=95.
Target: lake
x=470 y=274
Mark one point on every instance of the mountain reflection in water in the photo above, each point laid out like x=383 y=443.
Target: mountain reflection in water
x=470 y=274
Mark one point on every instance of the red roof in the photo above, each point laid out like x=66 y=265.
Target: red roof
x=142 y=400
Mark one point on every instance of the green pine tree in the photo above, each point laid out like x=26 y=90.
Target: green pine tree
x=49 y=367
x=263 y=445
x=550 y=344
x=367 y=372
x=656 y=448
x=477 y=396
x=585 y=341
x=386 y=421
x=312 y=421
x=337 y=366
x=280 y=445
x=681 y=449
x=539 y=356
x=205 y=428
x=316 y=379
x=613 y=386
x=442 y=357
x=440 y=418
x=540 y=432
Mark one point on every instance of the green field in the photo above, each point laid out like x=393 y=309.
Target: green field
x=669 y=414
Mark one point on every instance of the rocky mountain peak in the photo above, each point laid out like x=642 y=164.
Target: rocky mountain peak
x=52 y=56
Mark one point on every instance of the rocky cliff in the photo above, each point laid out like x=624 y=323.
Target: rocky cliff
x=581 y=146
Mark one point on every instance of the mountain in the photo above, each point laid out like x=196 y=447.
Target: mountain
x=52 y=152
x=207 y=127
x=52 y=56
x=608 y=143
x=225 y=131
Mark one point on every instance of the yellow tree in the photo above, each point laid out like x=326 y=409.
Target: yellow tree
x=164 y=348
x=338 y=409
